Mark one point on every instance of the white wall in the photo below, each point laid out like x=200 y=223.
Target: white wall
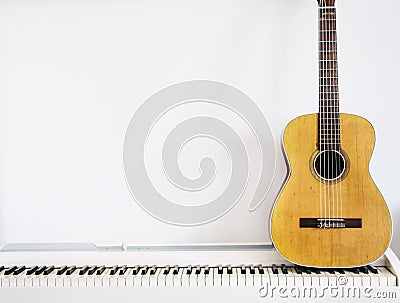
x=72 y=73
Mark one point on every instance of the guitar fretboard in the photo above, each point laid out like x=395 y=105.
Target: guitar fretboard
x=329 y=118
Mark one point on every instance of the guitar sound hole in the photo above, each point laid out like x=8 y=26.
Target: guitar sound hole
x=329 y=164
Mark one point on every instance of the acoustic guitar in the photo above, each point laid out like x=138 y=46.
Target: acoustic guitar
x=330 y=213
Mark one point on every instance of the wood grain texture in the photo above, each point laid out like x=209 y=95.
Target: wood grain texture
x=357 y=196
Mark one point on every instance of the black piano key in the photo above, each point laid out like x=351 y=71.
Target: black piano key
x=1 y=268
x=135 y=270
x=71 y=270
x=176 y=270
x=49 y=270
x=198 y=270
x=123 y=270
x=364 y=269
x=298 y=269
x=100 y=270
x=189 y=270
x=220 y=270
x=84 y=270
x=92 y=270
x=372 y=269
x=284 y=269
x=330 y=271
x=315 y=270
x=114 y=270
x=243 y=270
x=340 y=271
x=32 y=270
x=153 y=271
x=9 y=271
x=307 y=270
x=354 y=270
x=40 y=270
x=167 y=270
x=230 y=271
x=62 y=270
x=144 y=270
x=275 y=269
x=252 y=270
x=19 y=270
x=206 y=270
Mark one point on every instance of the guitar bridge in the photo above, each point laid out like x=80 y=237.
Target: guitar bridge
x=330 y=223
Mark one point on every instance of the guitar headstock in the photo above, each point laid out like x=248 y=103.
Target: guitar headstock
x=325 y=3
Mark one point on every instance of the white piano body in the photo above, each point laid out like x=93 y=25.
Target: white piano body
x=198 y=273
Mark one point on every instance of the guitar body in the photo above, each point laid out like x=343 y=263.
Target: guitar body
x=354 y=195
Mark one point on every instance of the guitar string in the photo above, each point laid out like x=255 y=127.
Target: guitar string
x=322 y=23
x=339 y=127
x=335 y=113
x=332 y=118
x=326 y=112
x=320 y=112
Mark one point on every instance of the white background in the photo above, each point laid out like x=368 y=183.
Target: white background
x=72 y=73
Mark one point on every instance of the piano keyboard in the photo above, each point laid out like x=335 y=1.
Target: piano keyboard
x=53 y=273
x=193 y=276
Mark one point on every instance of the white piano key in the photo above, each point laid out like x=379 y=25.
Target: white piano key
x=144 y=280
x=169 y=278
x=161 y=279
x=349 y=278
x=265 y=278
x=225 y=278
x=241 y=276
x=193 y=277
x=282 y=278
x=121 y=280
x=137 y=277
x=51 y=278
x=324 y=279
x=201 y=278
x=233 y=278
x=82 y=280
x=383 y=279
x=315 y=279
x=391 y=279
x=185 y=277
x=375 y=280
x=103 y=280
x=290 y=278
x=153 y=280
x=209 y=277
x=357 y=280
x=71 y=278
x=298 y=278
x=217 y=277
x=129 y=278
x=257 y=278
x=306 y=279
x=113 y=280
x=20 y=279
x=178 y=277
x=332 y=278
x=274 y=278
x=366 y=279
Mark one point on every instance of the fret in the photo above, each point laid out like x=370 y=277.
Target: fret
x=329 y=115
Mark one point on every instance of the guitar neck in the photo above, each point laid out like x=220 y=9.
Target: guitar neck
x=329 y=118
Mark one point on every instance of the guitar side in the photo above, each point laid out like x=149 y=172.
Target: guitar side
x=355 y=196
